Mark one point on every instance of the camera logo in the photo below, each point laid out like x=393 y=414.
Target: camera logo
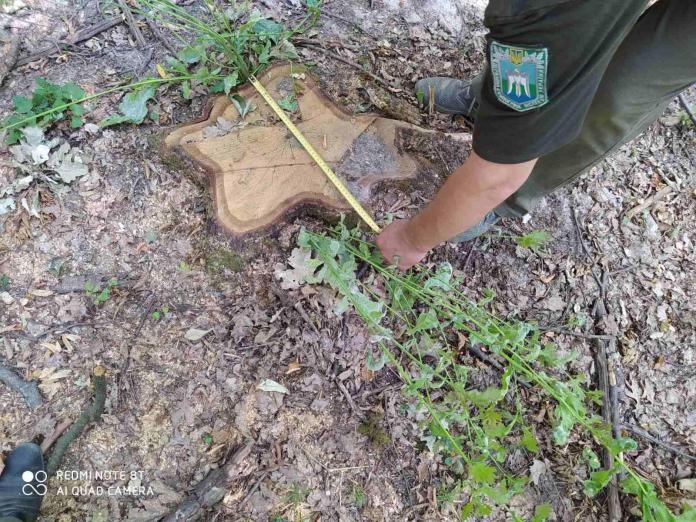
x=30 y=489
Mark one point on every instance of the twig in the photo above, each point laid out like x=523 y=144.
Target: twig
x=60 y=429
x=649 y=202
x=212 y=488
x=579 y=334
x=28 y=390
x=666 y=445
x=357 y=66
x=687 y=107
x=80 y=36
x=158 y=34
x=90 y=414
x=351 y=403
x=606 y=382
x=132 y=24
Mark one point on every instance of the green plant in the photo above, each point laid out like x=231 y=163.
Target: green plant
x=228 y=46
x=535 y=240
x=49 y=103
x=359 y=497
x=222 y=49
x=372 y=429
x=4 y=282
x=297 y=494
x=156 y=315
x=100 y=295
x=412 y=321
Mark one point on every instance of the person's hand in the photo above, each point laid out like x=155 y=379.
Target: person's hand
x=397 y=247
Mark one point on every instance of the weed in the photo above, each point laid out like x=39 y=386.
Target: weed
x=535 y=240
x=183 y=267
x=4 y=282
x=470 y=429
x=156 y=315
x=359 y=497
x=372 y=430
x=38 y=109
x=221 y=259
x=100 y=295
x=222 y=49
x=297 y=494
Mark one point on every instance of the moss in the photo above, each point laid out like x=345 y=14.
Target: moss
x=372 y=430
x=220 y=259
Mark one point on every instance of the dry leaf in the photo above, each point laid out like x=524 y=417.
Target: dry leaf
x=195 y=334
x=536 y=470
x=293 y=367
x=269 y=385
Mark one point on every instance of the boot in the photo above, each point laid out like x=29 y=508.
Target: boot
x=22 y=484
x=451 y=96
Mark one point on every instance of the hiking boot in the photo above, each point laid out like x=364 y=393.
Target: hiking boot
x=451 y=96
x=479 y=228
x=22 y=484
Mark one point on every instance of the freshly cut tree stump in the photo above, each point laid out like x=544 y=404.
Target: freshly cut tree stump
x=260 y=172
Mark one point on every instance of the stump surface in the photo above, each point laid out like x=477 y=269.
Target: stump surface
x=260 y=171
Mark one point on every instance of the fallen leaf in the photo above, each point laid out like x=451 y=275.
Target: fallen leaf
x=293 y=367
x=272 y=386
x=536 y=470
x=195 y=334
x=687 y=484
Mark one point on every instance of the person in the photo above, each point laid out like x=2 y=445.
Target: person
x=566 y=83
x=22 y=484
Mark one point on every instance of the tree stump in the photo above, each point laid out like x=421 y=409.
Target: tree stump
x=260 y=173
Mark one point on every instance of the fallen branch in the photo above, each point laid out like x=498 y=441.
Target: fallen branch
x=80 y=36
x=158 y=34
x=28 y=390
x=60 y=429
x=649 y=202
x=606 y=382
x=357 y=66
x=132 y=24
x=91 y=414
x=212 y=488
x=666 y=445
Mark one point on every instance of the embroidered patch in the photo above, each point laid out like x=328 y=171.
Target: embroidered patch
x=519 y=75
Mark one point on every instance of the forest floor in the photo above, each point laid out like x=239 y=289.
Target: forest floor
x=196 y=322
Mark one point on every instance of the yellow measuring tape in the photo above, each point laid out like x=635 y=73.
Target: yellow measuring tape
x=315 y=156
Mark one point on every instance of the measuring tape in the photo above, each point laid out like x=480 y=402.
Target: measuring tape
x=315 y=156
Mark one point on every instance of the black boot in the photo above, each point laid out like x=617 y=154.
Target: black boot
x=449 y=96
x=22 y=484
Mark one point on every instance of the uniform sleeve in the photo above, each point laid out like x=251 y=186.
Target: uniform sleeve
x=545 y=61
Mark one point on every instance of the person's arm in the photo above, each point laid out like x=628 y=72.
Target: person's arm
x=473 y=190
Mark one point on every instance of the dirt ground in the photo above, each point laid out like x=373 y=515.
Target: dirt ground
x=197 y=320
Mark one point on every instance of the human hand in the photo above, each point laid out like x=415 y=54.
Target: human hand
x=397 y=246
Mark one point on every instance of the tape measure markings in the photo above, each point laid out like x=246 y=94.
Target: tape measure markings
x=326 y=169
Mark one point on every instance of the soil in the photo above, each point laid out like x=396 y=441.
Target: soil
x=338 y=445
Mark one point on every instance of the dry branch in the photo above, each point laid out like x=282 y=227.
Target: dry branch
x=28 y=390
x=90 y=414
x=80 y=36
x=606 y=382
x=212 y=488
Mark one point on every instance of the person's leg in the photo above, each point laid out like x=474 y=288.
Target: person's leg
x=652 y=65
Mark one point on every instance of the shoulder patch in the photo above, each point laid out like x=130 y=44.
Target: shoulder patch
x=519 y=75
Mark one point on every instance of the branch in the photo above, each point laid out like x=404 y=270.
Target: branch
x=91 y=413
x=212 y=488
x=28 y=390
x=80 y=36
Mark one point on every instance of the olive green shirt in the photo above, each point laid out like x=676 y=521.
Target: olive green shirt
x=546 y=59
